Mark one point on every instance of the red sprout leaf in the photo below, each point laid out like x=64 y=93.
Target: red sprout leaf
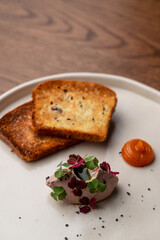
x=71 y=161
x=89 y=204
x=85 y=209
x=106 y=167
x=92 y=202
x=77 y=192
x=114 y=173
x=81 y=184
x=73 y=183
x=84 y=200
x=77 y=185
x=77 y=165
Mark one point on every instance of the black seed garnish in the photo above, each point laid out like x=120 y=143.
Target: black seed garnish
x=92 y=119
x=65 y=90
x=67 y=225
x=47 y=177
x=58 y=87
x=51 y=102
x=142 y=196
x=68 y=119
x=77 y=212
x=154 y=208
x=94 y=228
x=19 y=217
x=149 y=189
x=128 y=193
x=83 y=97
x=121 y=215
x=103 y=226
x=129 y=184
x=116 y=219
x=103 y=221
x=104 y=181
x=120 y=152
x=100 y=218
x=66 y=238
x=71 y=98
x=77 y=235
x=99 y=234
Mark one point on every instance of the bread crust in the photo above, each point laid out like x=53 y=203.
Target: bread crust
x=94 y=98
x=17 y=131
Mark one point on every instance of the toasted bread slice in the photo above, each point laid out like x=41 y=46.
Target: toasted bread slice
x=73 y=109
x=17 y=131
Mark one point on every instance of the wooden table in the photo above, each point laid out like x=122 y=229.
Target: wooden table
x=44 y=37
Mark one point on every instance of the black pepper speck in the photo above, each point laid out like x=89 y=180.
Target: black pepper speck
x=128 y=193
x=19 y=217
x=129 y=184
x=103 y=226
x=67 y=225
x=66 y=238
x=47 y=177
x=121 y=215
x=116 y=219
x=100 y=218
x=149 y=189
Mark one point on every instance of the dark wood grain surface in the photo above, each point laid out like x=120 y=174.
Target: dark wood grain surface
x=44 y=37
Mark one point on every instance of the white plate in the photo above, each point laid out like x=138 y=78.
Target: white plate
x=28 y=212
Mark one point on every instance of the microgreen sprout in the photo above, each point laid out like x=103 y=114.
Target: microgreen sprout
x=91 y=162
x=58 y=193
x=60 y=171
x=96 y=186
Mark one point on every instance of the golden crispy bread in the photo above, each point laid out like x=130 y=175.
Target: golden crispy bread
x=17 y=131
x=73 y=109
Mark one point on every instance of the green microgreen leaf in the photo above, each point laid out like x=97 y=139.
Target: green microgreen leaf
x=54 y=196
x=65 y=165
x=93 y=183
x=93 y=190
x=62 y=195
x=90 y=165
x=101 y=187
x=95 y=160
x=88 y=158
x=59 y=164
x=58 y=174
x=58 y=190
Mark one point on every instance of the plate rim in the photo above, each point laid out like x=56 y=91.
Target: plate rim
x=126 y=80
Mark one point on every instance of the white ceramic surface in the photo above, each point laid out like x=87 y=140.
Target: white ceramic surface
x=28 y=212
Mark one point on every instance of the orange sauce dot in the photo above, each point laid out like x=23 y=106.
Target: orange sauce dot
x=137 y=153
